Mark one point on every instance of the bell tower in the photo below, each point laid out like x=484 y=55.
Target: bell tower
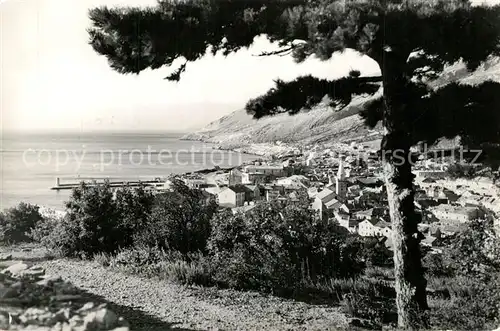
x=340 y=182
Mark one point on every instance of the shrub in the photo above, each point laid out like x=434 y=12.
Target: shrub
x=44 y=228
x=472 y=289
x=195 y=270
x=103 y=259
x=16 y=223
x=384 y=273
x=187 y=269
x=437 y=264
x=475 y=252
x=59 y=235
x=369 y=299
x=179 y=221
x=277 y=246
x=473 y=305
x=98 y=220
x=134 y=207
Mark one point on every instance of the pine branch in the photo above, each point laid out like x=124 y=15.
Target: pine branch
x=308 y=91
x=281 y=52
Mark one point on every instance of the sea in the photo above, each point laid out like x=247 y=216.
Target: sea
x=30 y=164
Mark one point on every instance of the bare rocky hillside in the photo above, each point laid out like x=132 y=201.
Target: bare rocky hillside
x=321 y=124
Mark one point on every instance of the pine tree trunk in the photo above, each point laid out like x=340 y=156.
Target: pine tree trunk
x=410 y=282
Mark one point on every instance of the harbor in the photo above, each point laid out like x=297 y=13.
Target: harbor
x=113 y=182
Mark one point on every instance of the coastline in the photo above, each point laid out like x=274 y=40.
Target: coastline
x=52 y=212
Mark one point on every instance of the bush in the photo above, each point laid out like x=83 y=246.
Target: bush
x=179 y=220
x=469 y=294
x=277 y=246
x=134 y=209
x=473 y=305
x=475 y=252
x=195 y=270
x=438 y=265
x=59 y=235
x=186 y=269
x=369 y=299
x=98 y=220
x=16 y=223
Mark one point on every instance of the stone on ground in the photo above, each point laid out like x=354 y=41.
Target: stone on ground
x=47 y=303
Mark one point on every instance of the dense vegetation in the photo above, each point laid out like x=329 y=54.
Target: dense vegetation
x=17 y=223
x=279 y=248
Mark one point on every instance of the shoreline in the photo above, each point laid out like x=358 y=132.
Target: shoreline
x=58 y=212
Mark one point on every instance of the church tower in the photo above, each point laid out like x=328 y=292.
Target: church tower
x=340 y=182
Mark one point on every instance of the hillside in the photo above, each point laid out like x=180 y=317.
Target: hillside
x=321 y=124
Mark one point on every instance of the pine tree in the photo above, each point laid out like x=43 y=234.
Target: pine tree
x=411 y=40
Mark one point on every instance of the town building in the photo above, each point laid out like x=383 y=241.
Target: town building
x=374 y=228
x=372 y=213
x=321 y=200
x=195 y=183
x=435 y=174
x=235 y=177
x=253 y=193
x=232 y=196
x=276 y=171
x=273 y=192
x=455 y=213
x=346 y=221
x=295 y=180
x=254 y=178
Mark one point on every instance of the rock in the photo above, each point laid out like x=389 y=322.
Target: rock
x=7 y=292
x=37 y=272
x=37 y=267
x=16 y=269
x=35 y=316
x=13 y=301
x=75 y=321
x=4 y=320
x=65 y=297
x=107 y=318
x=86 y=307
x=5 y=257
x=62 y=315
x=67 y=327
x=49 y=280
x=101 y=319
x=18 y=285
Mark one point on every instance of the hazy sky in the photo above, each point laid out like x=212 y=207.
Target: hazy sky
x=52 y=79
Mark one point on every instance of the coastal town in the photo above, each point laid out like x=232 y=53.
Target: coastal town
x=345 y=185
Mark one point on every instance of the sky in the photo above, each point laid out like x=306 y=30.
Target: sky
x=51 y=79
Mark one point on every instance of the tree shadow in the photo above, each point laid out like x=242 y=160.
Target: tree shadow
x=137 y=319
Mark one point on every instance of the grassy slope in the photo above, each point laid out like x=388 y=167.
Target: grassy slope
x=322 y=123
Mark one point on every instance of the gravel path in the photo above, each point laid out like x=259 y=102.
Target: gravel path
x=158 y=305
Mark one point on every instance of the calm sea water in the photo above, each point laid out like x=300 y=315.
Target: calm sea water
x=30 y=163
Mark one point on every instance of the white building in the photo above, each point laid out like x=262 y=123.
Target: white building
x=324 y=201
x=374 y=228
x=346 y=221
x=278 y=171
x=436 y=174
x=295 y=180
x=460 y=214
x=232 y=196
